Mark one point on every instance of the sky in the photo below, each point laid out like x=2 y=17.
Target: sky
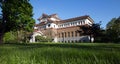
x=98 y=10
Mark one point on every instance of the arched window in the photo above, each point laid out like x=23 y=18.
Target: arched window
x=48 y=25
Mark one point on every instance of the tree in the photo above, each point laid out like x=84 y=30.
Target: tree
x=93 y=31
x=113 y=30
x=16 y=16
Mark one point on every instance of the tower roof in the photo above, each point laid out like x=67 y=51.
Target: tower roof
x=48 y=16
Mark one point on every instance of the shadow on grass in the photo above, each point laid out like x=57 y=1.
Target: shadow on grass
x=88 y=46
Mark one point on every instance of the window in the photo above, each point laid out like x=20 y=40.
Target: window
x=68 y=41
x=62 y=25
x=65 y=41
x=59 y=35
x=48 y=25
x=62 y=34
x=68 y=34
x=76 y=33
x=76 y=41
x=79 y=22
x=79 y=34
x=71 y=24
x=65 y=34
x=83 y=22
x=68 y=24
x=75 y=23
x=72 y=34
x=59 y=26
x=72 y=41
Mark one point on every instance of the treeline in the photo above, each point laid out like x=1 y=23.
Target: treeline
x=111 y=34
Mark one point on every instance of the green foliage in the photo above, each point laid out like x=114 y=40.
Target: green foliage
x=83 y=53
x=16 y=16
x=23 y=36
x=16 y=37
x=113 y=30
x=9 y=37
x=42 y=39
x=93 y=31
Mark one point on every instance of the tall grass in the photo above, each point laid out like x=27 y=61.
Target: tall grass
x=59 y=53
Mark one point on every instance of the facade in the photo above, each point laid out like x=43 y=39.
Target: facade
x=68 y=30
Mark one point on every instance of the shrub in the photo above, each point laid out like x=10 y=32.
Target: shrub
x=42 y=39
x=9 y=37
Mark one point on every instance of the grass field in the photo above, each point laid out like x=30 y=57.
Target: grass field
x=80 y=53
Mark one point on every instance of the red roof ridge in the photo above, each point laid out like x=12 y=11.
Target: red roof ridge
x=74 y=19
x=85 y=16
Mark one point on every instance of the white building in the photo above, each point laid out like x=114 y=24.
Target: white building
x=62 y=30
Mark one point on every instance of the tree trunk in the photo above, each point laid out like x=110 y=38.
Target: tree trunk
x=2 y=32
x=2 y=27
x=90 y=38
x=1 y=38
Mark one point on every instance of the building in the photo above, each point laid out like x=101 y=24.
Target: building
x=68 y=30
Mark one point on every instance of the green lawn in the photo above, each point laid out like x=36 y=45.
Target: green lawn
x=80 y=53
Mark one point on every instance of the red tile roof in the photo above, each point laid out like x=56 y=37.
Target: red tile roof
x=67 y=20
x=76 y=18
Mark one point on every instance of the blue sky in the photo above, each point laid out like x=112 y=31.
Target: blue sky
x=98 y=10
